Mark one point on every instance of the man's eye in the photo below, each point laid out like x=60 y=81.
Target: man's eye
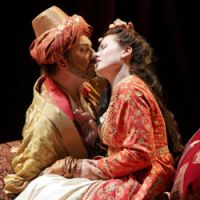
x=84 y=49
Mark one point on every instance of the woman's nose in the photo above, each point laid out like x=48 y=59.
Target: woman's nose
x=96 y=53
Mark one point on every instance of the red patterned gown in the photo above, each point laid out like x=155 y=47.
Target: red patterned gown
x=138 y=161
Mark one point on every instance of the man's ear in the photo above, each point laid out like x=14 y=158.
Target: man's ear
x=62 y=62
x=127 y=51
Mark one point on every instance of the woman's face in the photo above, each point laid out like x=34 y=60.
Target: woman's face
x=109 y=57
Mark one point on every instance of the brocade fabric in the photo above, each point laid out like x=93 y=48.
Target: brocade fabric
x=138 y=163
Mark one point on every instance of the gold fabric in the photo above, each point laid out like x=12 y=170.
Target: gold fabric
x=44 y=141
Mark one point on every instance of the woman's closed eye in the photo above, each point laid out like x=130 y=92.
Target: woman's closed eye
x=101 y=47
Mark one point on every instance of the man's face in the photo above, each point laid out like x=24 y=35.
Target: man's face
x=81 y=58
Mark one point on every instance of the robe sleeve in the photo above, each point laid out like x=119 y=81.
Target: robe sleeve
x=36 y=152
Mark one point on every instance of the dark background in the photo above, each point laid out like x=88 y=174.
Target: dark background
x=170 y=26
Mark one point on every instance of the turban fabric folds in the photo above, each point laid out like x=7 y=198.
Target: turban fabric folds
x=53 y=43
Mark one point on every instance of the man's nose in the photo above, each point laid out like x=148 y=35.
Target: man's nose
x=93 y=56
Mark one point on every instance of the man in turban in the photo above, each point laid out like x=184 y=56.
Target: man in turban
x=63 y=50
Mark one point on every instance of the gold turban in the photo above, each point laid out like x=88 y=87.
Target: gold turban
x=56 y=32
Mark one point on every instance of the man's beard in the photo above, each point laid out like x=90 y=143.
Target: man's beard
x=87 y=74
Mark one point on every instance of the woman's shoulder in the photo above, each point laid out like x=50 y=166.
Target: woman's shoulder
x=132 y=83
x=132 y=88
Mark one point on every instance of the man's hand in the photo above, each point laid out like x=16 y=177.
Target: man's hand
x=56 y=168
x=88 y=126
x=87 y=169
x=80 y=168
x=118 y=23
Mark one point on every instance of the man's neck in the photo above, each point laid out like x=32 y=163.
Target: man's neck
x=69 y=85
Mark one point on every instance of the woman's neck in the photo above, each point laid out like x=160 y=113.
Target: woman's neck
x=123 y=73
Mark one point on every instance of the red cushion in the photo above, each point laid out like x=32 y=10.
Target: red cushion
x=187 y=179
x=7 y=151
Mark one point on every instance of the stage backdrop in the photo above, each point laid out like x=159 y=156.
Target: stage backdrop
x=170 y=26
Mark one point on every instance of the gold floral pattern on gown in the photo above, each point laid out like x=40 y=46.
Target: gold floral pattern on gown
x=138 y=162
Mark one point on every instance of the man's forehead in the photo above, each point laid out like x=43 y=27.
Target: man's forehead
x=84 y=40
